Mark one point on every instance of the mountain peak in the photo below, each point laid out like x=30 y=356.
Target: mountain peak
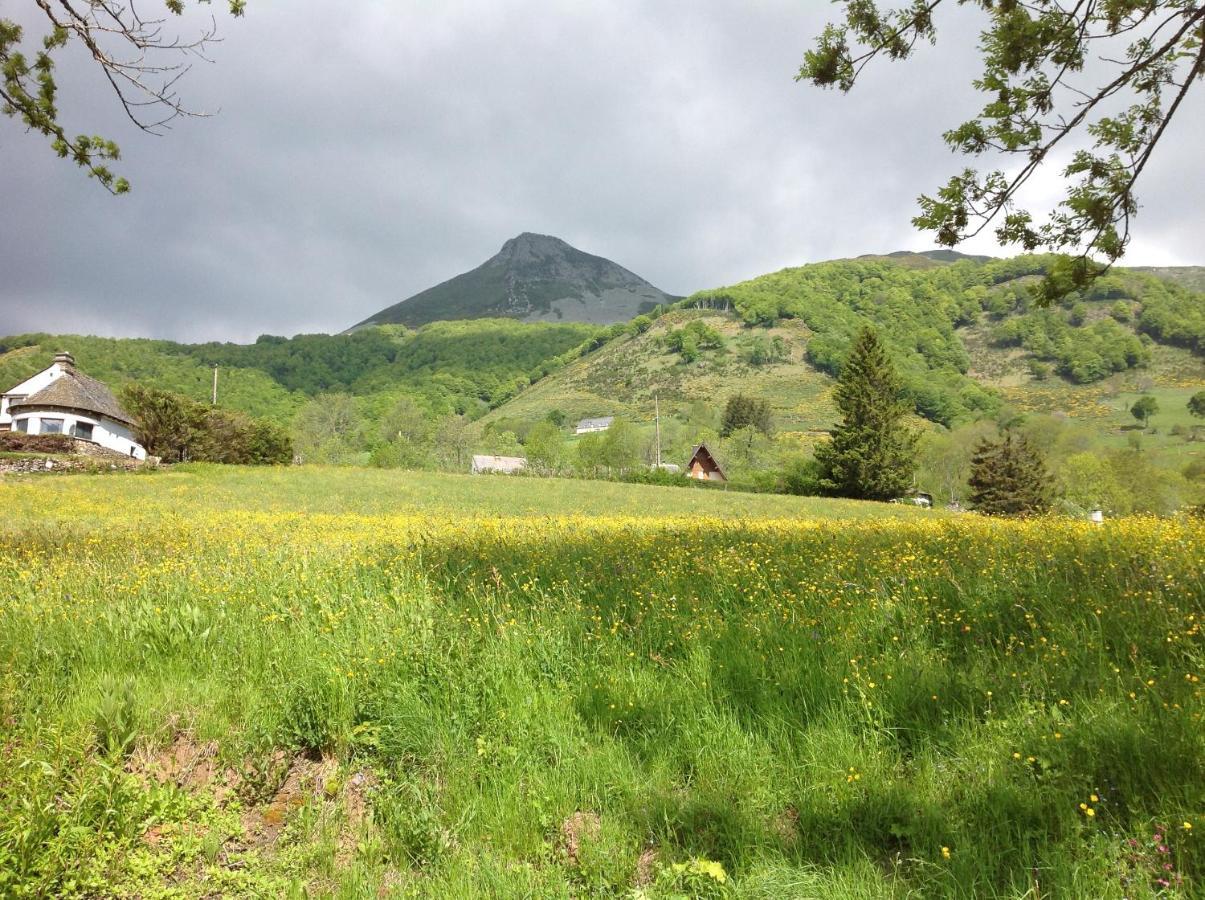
x=535 y=278
x=532 y=245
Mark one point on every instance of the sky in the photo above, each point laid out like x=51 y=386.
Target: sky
x=359 y=153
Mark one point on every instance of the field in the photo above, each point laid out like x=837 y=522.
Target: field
x=225 y=682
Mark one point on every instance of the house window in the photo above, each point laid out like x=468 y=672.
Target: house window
x=21 y=425
x=52 y=426
x=82 y=430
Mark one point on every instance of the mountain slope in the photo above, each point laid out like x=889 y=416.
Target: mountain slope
x=964 y=335
x=1191 y=277
x=535 y=278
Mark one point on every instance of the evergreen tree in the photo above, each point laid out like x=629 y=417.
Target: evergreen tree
x=746 y=412
x=872 y=454
x=1009 y=478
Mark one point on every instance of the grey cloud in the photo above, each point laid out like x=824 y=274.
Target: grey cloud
x=361 y=157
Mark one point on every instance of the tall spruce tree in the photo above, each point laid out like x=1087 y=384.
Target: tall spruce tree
x=872 y=455
x=1009 y=478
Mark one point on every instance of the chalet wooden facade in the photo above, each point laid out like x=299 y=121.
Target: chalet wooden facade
x=703 y=466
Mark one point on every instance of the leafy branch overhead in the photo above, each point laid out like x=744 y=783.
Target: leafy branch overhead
x=141 y=62
x=1148 y=53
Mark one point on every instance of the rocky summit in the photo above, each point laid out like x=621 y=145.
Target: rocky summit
x=534 y=278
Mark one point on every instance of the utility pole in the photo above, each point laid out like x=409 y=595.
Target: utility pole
x=215 y=385
x=657 y=419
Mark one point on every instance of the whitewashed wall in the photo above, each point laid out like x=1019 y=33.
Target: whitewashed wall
x=105 y=431
x=27 y=387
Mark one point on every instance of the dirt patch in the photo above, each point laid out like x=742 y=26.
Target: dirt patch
x=268 y=790
x=646 y=867
x=186 y=763
x=574 y=830
x=355 y=797
x=306 y=777
x=355 y=794
x=786 y=826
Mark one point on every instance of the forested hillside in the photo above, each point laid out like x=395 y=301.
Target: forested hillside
x=447 y=366
x=971 y=347
x=973 y=351
x=959 y=332
x=922 y=313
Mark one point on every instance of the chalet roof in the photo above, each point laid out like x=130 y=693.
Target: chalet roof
x=75 y=390
x=600 y=422
x=701 y=451
x=498 y=463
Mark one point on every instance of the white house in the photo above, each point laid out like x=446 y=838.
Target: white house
x=506 y=465
x=63 y=400
x=589 y=426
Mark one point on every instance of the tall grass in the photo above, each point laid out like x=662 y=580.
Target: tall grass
x=604 y=706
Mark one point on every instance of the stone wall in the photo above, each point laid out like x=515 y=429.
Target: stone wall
x=84 y=457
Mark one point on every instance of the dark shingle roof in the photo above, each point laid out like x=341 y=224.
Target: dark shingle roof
x=75 y=390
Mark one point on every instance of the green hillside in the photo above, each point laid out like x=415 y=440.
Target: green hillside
x=1191 y=277
x=623 y=377
x=162 y=364
x=964 y=335
x=461 y=366
x=969 y=343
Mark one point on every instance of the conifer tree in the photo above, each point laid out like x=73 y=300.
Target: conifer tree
x=745 y=412
x=872 y=455
x=1009 y=478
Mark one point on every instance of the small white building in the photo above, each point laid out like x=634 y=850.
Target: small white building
x=63 y=400
x=589 y=426
x=505 y=465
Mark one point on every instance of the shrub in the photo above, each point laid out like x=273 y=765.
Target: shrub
x=19 y=442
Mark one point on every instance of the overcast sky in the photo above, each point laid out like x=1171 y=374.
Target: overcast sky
x=368 y=150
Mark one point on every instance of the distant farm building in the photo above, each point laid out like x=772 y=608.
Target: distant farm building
x=63 y=400
x=505 y=465
x=703 y=466
x=590 y=426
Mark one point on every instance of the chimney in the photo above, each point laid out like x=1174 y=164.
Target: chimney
x=63 y=358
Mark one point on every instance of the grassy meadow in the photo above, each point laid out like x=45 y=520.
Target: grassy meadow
x=345 y=683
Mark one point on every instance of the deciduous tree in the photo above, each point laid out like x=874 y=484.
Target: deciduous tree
x=178 y=429
x=1196 y=404
x=545 y=447
x=329 y=429
x=1144 y=407
x=453 y=444
x=140 y=58
x=1037 y=103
